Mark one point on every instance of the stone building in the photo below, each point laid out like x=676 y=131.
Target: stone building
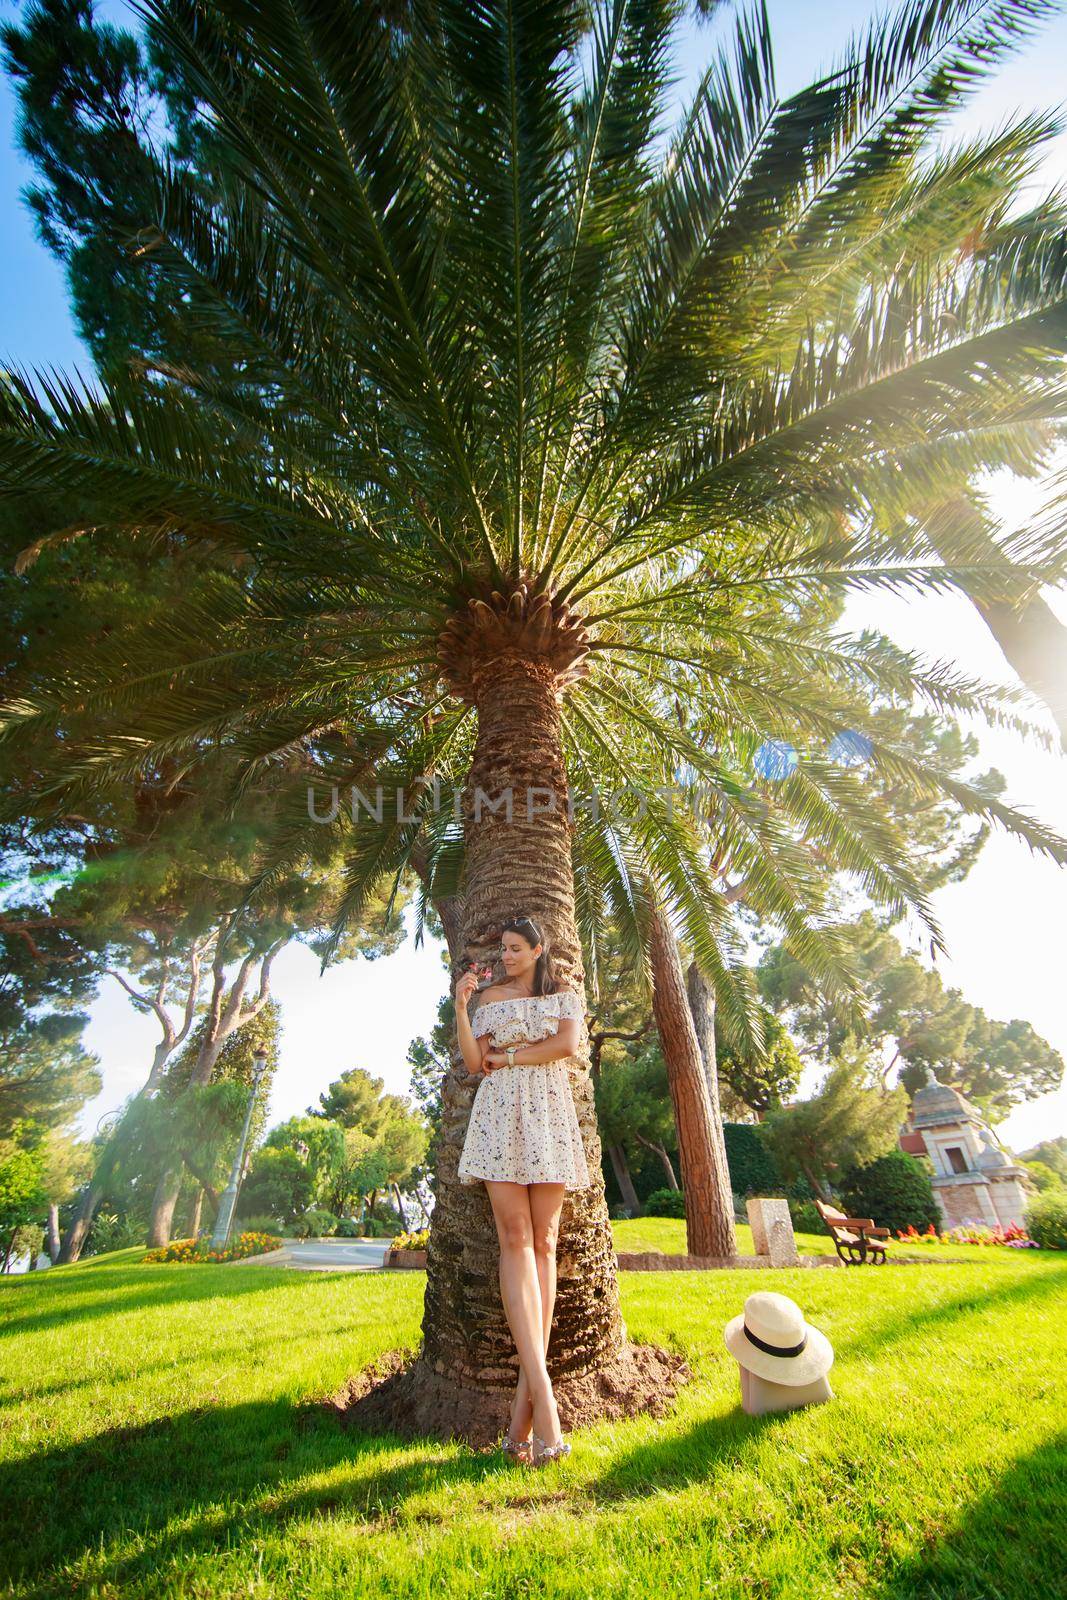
x=975 y=1180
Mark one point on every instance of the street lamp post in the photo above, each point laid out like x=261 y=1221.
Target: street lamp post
x=229 y=1195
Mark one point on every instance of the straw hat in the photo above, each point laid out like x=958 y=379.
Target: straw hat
x=771 y=1339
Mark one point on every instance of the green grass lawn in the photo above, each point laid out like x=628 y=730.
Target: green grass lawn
x=156 y=1441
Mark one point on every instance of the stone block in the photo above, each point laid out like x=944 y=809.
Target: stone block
x=772 y=1231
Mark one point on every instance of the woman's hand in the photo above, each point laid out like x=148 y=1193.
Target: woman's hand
x=494 y=1058
x=466 y=985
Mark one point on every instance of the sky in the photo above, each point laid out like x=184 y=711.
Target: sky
x=1004 y=925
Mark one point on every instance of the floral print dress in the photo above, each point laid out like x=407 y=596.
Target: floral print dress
x=523 y=1126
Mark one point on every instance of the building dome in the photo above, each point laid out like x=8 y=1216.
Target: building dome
x=991 y=1154
x=938 y=1102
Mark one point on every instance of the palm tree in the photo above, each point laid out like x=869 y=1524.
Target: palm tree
x=1022 y=622
x=523 y=443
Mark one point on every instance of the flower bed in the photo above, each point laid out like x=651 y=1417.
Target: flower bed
x=408 y=1249
x=245 y=1244
x=411 y=1241
x=406 y=1258
x=1014 y=1236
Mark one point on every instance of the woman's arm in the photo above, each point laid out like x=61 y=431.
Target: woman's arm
x=470 y=1047
x=558 y=1045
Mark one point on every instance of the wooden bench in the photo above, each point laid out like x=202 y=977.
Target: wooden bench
x=856 y=1239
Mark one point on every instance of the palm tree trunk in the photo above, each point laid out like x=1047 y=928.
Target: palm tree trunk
x=524 y=864
x=463 y=1377
x=709 y=1209
x=1032 y=637
x=1034 y=641
x=617 y=1156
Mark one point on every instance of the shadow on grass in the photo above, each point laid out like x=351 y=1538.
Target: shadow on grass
x=1010 y=1544
x=191 y=1484
x=131 y=1498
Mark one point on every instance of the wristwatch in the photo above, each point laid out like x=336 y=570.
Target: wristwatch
x=510 y=1052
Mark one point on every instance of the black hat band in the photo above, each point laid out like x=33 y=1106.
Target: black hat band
x=775 y=1349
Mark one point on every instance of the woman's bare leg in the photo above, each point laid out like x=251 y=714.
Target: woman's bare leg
x=546 y=1203
x=520 y=1287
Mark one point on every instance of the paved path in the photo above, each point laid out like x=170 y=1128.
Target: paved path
x=326 y=1255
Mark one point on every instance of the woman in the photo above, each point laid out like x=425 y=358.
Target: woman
x=524 y=1143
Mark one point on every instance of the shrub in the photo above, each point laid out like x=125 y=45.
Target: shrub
x=279 y=1185
x=375 y=1228
x=349 y=1228
x=805 y=1217
x=895 y=1190
x=111 y=1232
x=315 y=1224
x=665 y=1203
x=1046 y=1219
x=262 y=1224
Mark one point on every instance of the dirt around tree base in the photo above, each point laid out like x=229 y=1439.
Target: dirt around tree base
x=400 y=1395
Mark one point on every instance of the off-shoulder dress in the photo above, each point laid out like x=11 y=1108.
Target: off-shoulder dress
x=523 y=1125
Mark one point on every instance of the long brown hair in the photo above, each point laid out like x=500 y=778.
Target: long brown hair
x=545 y=980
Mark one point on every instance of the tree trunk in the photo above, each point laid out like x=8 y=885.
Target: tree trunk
x=198 y=1206
x=400 y=1207
x=660 y=1150
x=8 y=1249
x=172 y=1036
x=617 y=1156
x=52 y=1232
x=709 y=1211
x=1034 y=641
x=462 y=1380
x=78 y=1231
x=816 y=1184
x=163 y=1202
x=226 y=1014
x=1026 y=628
x=450 y=911
x=702 y=1009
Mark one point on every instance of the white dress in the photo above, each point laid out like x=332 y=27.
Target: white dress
x=523 y=1126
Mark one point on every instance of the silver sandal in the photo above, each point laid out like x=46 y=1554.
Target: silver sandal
x=516 y=1449
x=544 y=1452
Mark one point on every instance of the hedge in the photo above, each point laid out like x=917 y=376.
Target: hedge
x=895 y=1190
